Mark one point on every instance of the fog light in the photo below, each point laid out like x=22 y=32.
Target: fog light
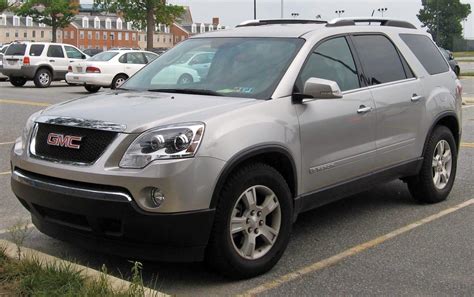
x=157 y=198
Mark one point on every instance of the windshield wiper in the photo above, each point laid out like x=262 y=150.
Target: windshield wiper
x=188 y=91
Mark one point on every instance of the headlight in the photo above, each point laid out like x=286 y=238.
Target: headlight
x=167 y=142
x=22 y=143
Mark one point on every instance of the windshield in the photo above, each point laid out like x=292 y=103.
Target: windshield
x=16 y=50
x=237 y=67
x=103 y=57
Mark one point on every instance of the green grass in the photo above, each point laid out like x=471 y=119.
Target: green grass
x=463 y=54
x=467 y=73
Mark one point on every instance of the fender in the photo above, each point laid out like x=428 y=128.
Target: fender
x=246 y=154
x=435 y=122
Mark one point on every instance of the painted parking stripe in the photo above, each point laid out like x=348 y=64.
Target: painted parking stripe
x=275 y=283
x=7 y=143
x=467 y=144
x=5 y=173
x=24 y=102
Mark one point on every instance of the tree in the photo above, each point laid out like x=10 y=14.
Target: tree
x=144 y=14
x=443 y=19
x=57 y=14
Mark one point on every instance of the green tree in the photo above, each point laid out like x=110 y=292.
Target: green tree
x=55 y=13
x=144 y=14
x=443 y=19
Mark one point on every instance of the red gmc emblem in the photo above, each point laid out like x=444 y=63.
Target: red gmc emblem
x=61 y=140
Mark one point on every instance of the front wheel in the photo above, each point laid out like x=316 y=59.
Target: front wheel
x=252 y=224
x=17 y=81
x=92 y=89
x=185 y=79
x=436 y=178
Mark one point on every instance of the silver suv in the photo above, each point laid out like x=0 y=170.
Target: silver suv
x=290 y=115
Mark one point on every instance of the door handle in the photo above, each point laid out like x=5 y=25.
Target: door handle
x=364 y=109
x=416 y=98
x=52 y=60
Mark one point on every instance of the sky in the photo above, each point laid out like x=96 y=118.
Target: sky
x=233 y=12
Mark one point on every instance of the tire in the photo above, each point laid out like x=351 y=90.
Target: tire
x=17 y=81
x=457 y=70
x=424 y=187
x=226 y=253
x=43 y=78
x=118 y=81
x=92 y=89
x=185 y=79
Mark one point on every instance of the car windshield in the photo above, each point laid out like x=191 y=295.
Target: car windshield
x=237 y=67
x=103 y=57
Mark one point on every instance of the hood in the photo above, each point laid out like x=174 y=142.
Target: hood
x=140 y=111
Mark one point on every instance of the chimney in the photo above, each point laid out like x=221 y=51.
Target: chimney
x=215 y=21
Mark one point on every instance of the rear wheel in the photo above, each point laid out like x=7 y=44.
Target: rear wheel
x=118 y=81
x=252 y=224
x=457 y=70
x=185 y=79
x=42 y=78
x=92 y=89
x=17 y=81
x=436 y=178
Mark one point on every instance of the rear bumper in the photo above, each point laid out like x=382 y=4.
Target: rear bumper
x=95 y=79
x=106 y=219
x=27 y=72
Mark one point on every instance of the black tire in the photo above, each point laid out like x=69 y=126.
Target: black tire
x=117 y=79
x=92 y=89
x=185 y=79
x=457 y=70
x=43 y=78
x=17 y=81
x=422 y=187
x=221 y=255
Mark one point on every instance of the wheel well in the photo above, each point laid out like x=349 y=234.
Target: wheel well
x=452 y=124
x=277 y=159
x=45 y=67
x=121 y=74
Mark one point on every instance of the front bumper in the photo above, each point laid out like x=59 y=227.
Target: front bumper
x=106 y=219
x=95 y=79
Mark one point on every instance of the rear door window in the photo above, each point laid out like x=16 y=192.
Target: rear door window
x=135 y=58
x=380 y=59
x=427 y=53
x=36 y=50
x=55 y=51
x=16 y=50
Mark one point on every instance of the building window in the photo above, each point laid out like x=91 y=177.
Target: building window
x=72 y=34
x=202 y=29
x=29 y=22
x=81 y=35
x=42 y=34
x=16 y=21
x=112 y=36
x=134 y=36
x=129 y=26
x=104 y=36
x=119 y=24
x=97 y=35
x=3 y=20
x=89 y=35
x=25 y=34
x=193 y=28
x=33 y=34
x=85 y=22
x=119 y=37
x=97 y=23
x=127 y=36
x=211 y=28
x=7 y=34
x=108 y=24
x=66 y=35
x=42 y=25
x=16 y=34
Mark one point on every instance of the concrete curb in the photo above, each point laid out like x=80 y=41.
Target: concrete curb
x=45 y=259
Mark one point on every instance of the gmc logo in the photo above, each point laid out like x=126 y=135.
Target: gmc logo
x=61 y=140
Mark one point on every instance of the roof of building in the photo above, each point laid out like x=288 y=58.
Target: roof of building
x=186 y=18
x=9 y=22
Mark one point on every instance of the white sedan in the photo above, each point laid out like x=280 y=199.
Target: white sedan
x=108 y=69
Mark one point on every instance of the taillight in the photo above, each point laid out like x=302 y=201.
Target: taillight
x=26 y=61
x=91 y=69
x=69 y=69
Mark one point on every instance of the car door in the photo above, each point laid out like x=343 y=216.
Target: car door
x=57 y=60
x=134 y=62
x=398 y=96
x=73 y=54
x=337 y=135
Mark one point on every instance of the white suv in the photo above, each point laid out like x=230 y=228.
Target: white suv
x=39 y=61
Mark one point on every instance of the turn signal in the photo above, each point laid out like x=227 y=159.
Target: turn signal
x=92 y=69
x=26 y=61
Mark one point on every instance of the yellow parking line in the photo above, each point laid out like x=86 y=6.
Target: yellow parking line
x=275 y=283
x=467 y=144
x=5 y=173
x=5 y=143
x=24 y=102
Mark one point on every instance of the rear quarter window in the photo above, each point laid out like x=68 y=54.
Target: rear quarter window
x=36 y=49
x=16 y=50
x=427 y=53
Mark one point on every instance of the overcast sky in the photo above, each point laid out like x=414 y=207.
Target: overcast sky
x=232 y=12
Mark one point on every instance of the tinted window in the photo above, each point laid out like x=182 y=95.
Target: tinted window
x=135 y=58
x=4 y=49
x=16 y=50
x=55 y=51
x=379 y=58
x=103 y=57
x=36 y=49
x=150 y=57
x=426 y=52
x=73 y=53
x=332 y=60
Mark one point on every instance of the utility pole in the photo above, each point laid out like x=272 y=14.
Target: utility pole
x=295 y=15
x=282 y=10
x=254 y=9
x=340 y=12
x=382 y=10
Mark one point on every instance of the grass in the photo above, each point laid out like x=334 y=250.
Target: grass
x=458 y=55
x=29 y=277
x=467 y=73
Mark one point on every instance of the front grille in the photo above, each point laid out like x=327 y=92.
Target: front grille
x=92 y=144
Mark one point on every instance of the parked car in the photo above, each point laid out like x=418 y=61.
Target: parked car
x=3 y=49
x=448 y=55
x=92 y=51
x=39 y=61
x=108 y=69
x=292 y=115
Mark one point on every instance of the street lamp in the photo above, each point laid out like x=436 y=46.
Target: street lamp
x=382 y=10
x=295 y=15
x=340 y=12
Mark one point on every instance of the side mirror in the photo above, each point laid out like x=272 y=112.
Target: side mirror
x=83 y=57
x=317 y=88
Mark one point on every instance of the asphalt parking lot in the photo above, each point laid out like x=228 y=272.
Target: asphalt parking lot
x=378 y=242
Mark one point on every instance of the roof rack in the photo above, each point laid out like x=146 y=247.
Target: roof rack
x=253 y=23
x=339 y=22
